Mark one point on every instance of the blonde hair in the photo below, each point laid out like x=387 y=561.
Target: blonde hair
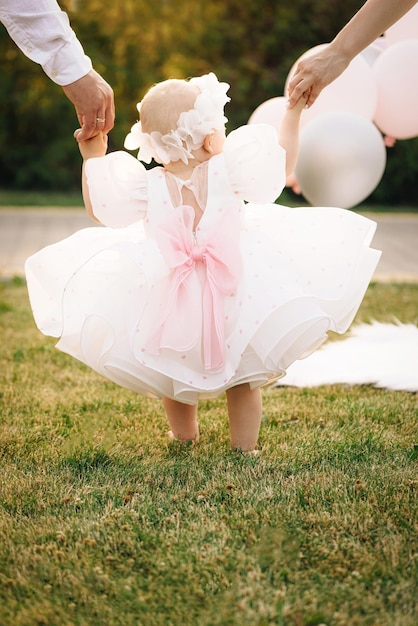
x=163 y=104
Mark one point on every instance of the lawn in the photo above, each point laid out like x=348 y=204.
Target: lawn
x=105 y=522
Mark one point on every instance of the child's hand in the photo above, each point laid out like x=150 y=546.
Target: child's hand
x=301 y=103
x=94 y=147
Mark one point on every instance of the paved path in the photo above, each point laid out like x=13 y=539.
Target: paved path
x=23 y=231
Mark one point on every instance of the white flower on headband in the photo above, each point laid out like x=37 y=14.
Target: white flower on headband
x=164 y=148
x=193 y=126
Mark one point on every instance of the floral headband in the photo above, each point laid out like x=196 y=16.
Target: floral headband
x=192 y=126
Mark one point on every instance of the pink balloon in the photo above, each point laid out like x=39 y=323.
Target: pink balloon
x=396 y=76
x=405 y=28
x=354 y=90
x=270 y=112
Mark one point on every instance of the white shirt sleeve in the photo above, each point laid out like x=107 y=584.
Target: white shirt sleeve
x=43 y=32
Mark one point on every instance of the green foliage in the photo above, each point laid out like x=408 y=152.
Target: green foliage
x=399 y=183
x=136 y=43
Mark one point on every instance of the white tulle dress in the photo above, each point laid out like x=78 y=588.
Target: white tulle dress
x=165 y=311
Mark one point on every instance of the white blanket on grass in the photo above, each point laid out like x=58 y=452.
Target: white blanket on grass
x=379 y=354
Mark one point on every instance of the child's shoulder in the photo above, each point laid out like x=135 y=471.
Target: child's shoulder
x=255 y=162
x=252 y=139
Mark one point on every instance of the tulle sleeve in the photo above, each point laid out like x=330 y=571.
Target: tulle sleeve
x=118 y=188
x=255 y=163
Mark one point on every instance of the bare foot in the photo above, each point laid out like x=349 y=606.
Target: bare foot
x=247 y=452
x=252 y=452
x=172 y=437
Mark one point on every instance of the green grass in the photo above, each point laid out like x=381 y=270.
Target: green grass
x=104 y=522
x=36 y=199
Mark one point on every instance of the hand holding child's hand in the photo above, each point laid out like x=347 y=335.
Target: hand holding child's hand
x=94 y=147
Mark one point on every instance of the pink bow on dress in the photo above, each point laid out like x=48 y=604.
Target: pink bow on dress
x=187 y=309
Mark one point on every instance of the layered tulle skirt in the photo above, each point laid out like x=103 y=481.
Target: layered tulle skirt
x=101 y=291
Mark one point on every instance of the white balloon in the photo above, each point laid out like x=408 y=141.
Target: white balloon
x=405 y=28
x=341 y=161
x=270 y=112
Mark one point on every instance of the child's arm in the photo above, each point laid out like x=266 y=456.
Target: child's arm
x=289 y=134
x=94 y=147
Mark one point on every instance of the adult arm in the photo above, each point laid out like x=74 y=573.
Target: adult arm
x=43 y=32
x=317 y=71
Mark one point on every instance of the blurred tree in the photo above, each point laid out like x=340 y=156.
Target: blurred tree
x=134 y=43
x=35 y=118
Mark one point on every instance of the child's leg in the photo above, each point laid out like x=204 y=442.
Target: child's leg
x=244 y=410
x=182 y=419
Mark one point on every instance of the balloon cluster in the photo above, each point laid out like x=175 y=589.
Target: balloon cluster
x=344 y=134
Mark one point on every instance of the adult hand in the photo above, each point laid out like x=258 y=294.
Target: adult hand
x=314 y=73
x=93 y=100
